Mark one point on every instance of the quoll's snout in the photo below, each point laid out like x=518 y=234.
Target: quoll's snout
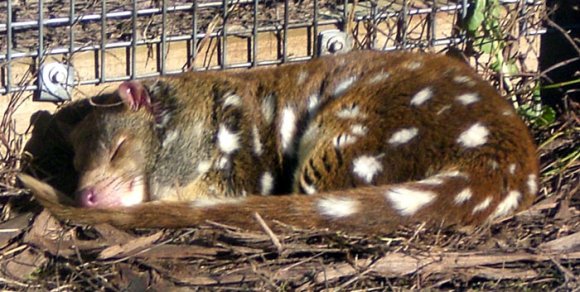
x=87 y=198
x=112 y=192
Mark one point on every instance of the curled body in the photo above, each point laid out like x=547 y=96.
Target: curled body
x=361 y=142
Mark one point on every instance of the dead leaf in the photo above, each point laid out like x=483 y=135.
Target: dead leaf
x=181 y=251
x=13 y=227
x=130 y=247
x=22 y=266
x=566 y=243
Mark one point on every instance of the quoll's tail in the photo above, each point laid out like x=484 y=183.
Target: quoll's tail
x=451 y=198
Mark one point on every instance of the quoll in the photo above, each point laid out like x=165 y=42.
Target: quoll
x=365 y=141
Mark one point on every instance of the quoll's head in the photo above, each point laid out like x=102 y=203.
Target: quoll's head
x=113 y=146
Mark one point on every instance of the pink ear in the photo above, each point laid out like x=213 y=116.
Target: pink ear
x=134 y=95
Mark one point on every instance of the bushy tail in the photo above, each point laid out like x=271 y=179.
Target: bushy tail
x=450 y=198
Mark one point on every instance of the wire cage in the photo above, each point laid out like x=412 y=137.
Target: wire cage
x=115 y=40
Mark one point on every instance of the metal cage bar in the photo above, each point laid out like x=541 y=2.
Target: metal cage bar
x=40 y=39
x=133 y=59
x=8 y=77
x=103 y=49
x=315 y=22
x=255 y=35
x=193 y=42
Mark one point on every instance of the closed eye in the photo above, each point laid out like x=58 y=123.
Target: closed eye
x=118 y=146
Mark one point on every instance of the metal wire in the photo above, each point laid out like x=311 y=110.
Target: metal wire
x=313 y=26
x=40 y=55
x=103 y=49
x=8 y=84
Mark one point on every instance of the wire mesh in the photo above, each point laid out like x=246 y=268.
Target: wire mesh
x=114 y=40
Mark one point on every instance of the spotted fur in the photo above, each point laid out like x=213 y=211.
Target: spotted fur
x=374 y=140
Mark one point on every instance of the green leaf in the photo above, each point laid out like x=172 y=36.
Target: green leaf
x=478 y=15
x=512 y=69
x=486 y=45
x=548 y=115
x=496 y=66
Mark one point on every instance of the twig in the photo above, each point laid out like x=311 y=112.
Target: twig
x=564 y=33
x=270 y=233
x=567 y=273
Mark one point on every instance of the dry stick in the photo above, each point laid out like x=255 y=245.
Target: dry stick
x=265 y=277
x=144 y=250
x=268 y=231
x=223 y=226
x=210 y=27
x=302 y=261
x=569 y=275
x=350 y=19
x=354 y=279
x=400 y=264
x=564 y=33
x=543 y=73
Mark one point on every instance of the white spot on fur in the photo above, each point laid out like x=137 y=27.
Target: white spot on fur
x=337 y=207
x=440 y=177
x=507 y=112
x=366 y=167
x=493 y=164
x=309 y=189
x=258 y=148
x=463 y=80
x=443 y=109
x=403 y=136
x=288 y=129
x=358 y=129
x=301 y=77
x=222 y=163
x=463 y=196
x=350 y=113
x=379 y=78
x=532 y=184
x=343 y=140
x=422 y=96
x=408 y=201
x=452 y=173
x=512 y=168
x=481 y=206
x=228 y=141
x=434 y=180
x=313 y=101
x=468 y=98
x=231 y=99
x=343 y=86
x=460 y=79
x=414 y=65
x=170 y=136
x=266 y=183
x=509 y=204
x=268 y=108
x=212 y=202
x=475 y=136
x=203 y=166
x=165 y=118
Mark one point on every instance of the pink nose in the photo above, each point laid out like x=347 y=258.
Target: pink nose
x=87 y=197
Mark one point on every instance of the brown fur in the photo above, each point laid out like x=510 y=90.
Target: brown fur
x=168 y=126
